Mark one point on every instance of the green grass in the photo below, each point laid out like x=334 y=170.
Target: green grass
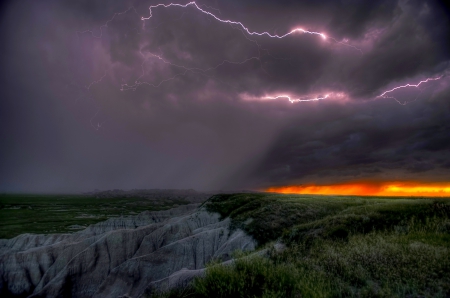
x=42 y=214
x=335 y=247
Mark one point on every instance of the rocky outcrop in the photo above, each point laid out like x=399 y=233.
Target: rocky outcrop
x=121 y=256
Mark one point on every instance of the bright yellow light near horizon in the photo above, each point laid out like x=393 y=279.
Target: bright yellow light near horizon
x=419 y=189
x=370 y=188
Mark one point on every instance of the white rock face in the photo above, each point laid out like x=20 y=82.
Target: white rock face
x=120 y=256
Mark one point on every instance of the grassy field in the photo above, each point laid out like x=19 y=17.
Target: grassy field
x=42 y=214
x=334 y=247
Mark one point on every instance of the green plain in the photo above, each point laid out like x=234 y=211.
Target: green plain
x=44 y=214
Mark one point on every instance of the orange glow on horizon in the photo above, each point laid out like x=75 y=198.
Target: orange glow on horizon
x=369 y=188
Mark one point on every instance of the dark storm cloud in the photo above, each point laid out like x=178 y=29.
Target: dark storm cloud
x=365 y=143
x=97 y=98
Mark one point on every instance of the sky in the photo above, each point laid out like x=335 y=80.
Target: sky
x=220 y=95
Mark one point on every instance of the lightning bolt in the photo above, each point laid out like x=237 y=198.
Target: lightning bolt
x=242 y=26
x=96 y=82
x=292 y=100
x=385 y=93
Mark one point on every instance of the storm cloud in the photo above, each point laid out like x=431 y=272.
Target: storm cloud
x=92 y=96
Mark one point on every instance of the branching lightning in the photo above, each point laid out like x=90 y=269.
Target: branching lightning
x=410 y=85
x=386 y=93
x=97 y=81
x=242 y=26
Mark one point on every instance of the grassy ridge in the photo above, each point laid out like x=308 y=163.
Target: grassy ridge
x=335 y=247
x=42 y=214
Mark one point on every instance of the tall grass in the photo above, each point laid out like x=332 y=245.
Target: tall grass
x=377 y=264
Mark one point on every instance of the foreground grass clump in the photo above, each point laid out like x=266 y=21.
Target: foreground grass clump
x=335 y=247
x=256 y=275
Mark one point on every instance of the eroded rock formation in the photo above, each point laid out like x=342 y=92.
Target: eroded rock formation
x=118 y=257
